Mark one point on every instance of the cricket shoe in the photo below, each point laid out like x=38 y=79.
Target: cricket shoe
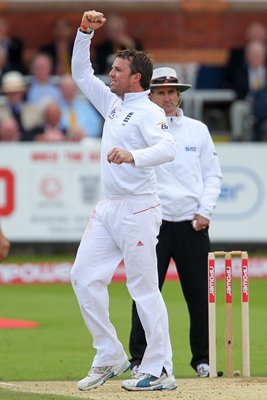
x=203 y=370
x=98 y=375
x=142 y=382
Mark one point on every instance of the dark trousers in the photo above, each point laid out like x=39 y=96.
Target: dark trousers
x=189 y=250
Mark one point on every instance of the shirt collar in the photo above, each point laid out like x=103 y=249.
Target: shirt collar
x=179 y=113
x=135 y=95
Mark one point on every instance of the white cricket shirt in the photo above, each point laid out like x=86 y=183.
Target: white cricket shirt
x=191 y=183
x=134 y=124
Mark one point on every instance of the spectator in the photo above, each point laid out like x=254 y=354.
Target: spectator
x=41 y=90
x=237 y=55
x=52 y=131
x=117 y=39
x=60 y=50
x=4 y=245
x=77 y=111
x=27 y=116
x=9 y=130
x=250 y=77
x=11 y=49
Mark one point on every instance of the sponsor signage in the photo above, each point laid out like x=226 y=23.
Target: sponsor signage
x=52 y=272
x=242 y=206
x=47 y=191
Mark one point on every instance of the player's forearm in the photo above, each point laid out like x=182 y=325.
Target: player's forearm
x=4 y=246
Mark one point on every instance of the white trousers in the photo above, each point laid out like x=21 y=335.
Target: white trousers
x=123 y=228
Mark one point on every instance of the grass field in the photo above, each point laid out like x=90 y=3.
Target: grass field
x=61 y=348
x=8 y=395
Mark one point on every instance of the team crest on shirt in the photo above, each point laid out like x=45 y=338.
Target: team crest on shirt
x=112 y=113
x=163 y=126
x=127 y=118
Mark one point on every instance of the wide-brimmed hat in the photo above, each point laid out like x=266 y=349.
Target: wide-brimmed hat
x=13 y=81
x=166 y=76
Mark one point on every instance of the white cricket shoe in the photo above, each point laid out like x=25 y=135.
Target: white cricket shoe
x=149 y=382
x=99 y=375
x=203 y=370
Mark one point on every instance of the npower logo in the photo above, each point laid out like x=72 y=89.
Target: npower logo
x=243 y=193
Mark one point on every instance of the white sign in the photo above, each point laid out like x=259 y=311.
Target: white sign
x=47 y=191
x=241 y=210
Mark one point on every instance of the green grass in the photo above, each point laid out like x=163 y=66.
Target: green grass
x=39 y=258
x=61 y=348
x=9 y=395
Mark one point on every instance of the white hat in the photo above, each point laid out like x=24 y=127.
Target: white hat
x=13 y=81
x=166 y=76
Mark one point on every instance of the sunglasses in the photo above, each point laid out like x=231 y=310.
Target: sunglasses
x=165 y=79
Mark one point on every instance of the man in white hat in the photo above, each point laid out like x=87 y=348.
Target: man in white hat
x=28 y=117
x=188 y=188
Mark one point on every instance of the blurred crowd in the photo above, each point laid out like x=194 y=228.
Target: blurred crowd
x=39 y=101
x=246 y=74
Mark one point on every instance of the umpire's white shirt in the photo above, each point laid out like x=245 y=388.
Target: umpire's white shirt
x=134 y=124
x=191 y=183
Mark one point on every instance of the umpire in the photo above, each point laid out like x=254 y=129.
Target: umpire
x=188 y=188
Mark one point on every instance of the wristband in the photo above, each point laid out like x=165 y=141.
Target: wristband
x=84 y=29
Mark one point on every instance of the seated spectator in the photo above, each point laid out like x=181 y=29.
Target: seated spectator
x=248 y=79
x=52 y=130
x=60 y=50
x=117 y=39
x=11 y=49
x=28 y=117
x=9 y=130
x=255 y=31
x=41 y=91
x=77 y=111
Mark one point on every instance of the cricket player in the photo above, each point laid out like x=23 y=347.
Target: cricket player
x=126 y=223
